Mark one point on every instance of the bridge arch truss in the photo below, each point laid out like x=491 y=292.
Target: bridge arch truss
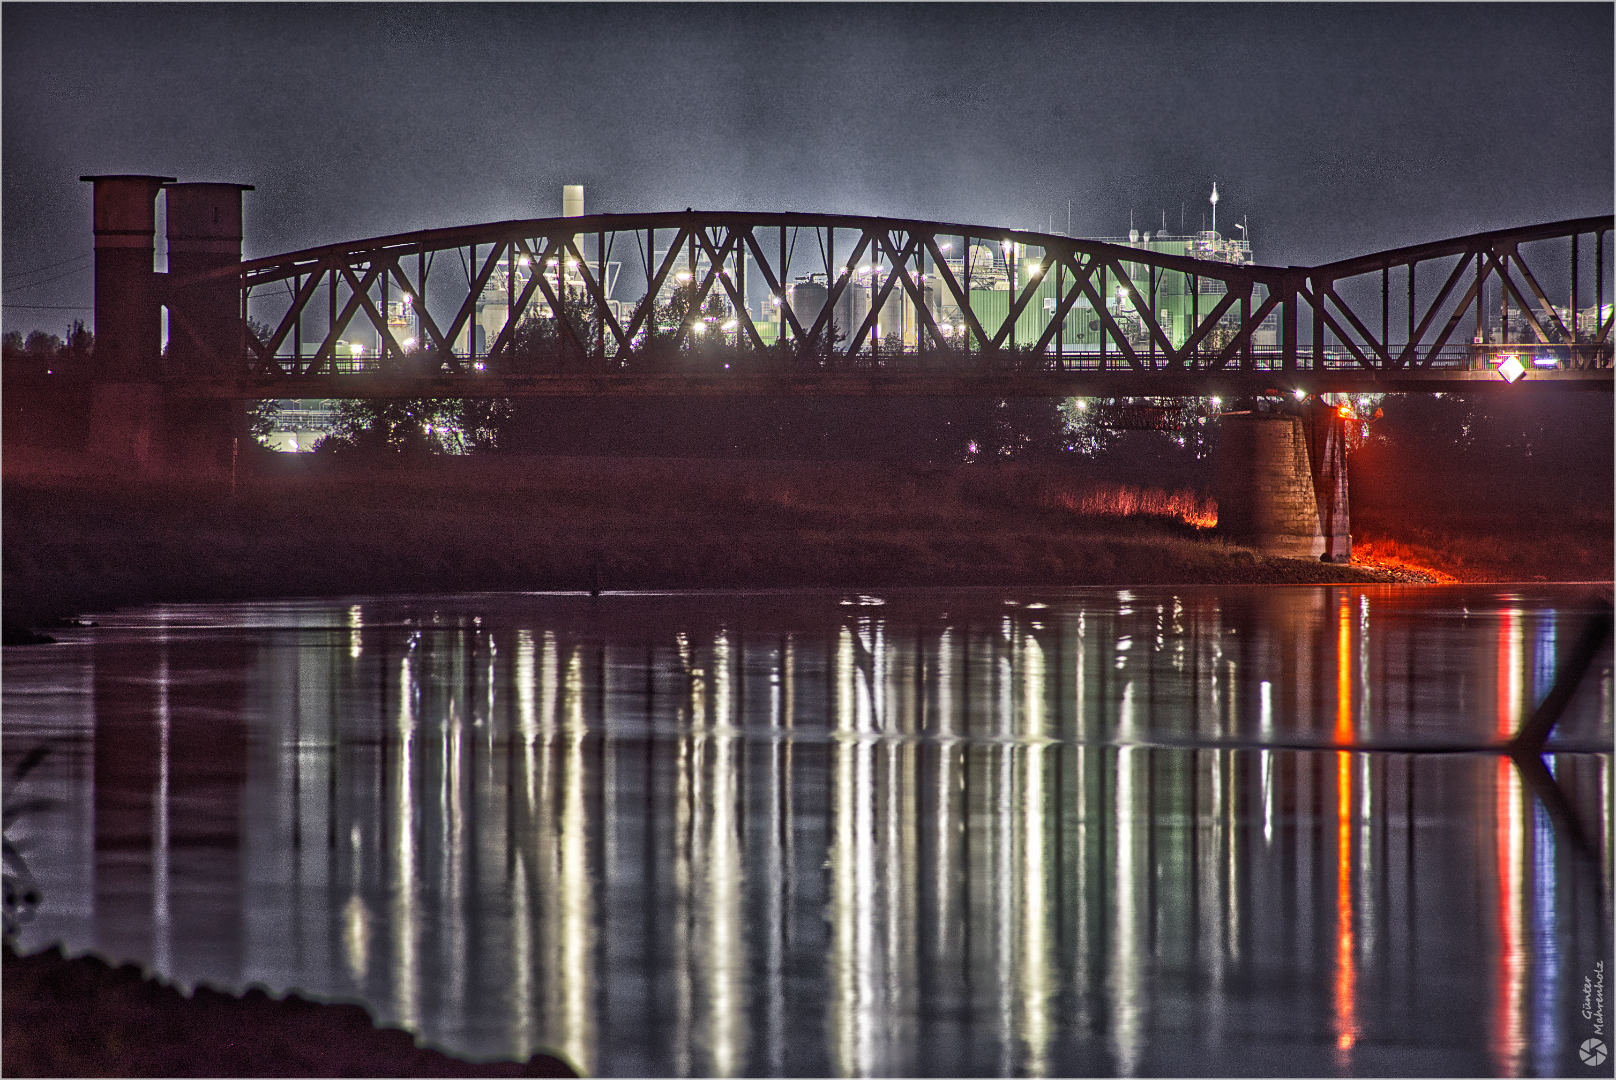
x=1058 y=313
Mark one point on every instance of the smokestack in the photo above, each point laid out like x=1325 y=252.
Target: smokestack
x=572 y=200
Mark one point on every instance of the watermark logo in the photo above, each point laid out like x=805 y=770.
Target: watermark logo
x=1593 y=1051
x=1593 y=997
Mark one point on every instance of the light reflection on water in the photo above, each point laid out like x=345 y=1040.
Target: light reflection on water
x=1065 y=832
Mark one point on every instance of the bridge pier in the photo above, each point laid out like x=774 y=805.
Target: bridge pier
x=206 y=330
x=125 y=401
x=1282 y=483
x=1327 y=455
x=136 y=425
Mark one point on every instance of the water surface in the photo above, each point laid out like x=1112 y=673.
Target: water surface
x=1197 y=831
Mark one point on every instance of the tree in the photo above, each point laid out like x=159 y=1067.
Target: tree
x=672 y=333
x=48 y=353
x=417 y=426
x=1176 y=435
x=261 y=416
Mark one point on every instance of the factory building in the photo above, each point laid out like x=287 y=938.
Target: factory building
x=1179 y=300
x=988 y=272
x=508 y=281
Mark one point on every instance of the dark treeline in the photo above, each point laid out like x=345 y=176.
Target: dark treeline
x=41 y=352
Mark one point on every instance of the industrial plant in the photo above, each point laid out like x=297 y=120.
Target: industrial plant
x=991 y=275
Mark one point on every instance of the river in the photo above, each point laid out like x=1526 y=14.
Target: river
x=1208 y=831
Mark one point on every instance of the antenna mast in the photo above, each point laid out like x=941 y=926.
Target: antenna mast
x=1214 y=206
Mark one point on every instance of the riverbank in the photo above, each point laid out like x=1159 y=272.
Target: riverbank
x=83 y=1017
x=75 y=543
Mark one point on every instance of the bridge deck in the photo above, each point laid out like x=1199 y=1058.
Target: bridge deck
x=878 y=382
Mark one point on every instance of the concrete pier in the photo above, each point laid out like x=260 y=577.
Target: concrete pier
x=1266 y=496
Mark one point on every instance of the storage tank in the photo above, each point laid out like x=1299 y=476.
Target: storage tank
x=1266 y=497
x=807 y=301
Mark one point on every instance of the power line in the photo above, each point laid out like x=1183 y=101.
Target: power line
x=47 y=266
x=47 y=281
x=51 y=307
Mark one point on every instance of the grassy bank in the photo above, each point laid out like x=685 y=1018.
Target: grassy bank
x=74 y=543
x=1475 y=524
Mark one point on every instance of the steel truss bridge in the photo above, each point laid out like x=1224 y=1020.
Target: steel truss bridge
x=1070 y=316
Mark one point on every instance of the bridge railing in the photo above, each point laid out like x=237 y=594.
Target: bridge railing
x=1451 y=359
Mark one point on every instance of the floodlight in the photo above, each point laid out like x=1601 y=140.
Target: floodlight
x=1511 y=369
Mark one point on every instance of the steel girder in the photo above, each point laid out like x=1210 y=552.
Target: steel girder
x=907 y=258
x=1433 y=322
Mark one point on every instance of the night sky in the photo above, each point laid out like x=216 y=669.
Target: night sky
x=1336 y=130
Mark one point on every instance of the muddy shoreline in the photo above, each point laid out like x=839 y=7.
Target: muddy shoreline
x=83 y=1017
x=77 y=543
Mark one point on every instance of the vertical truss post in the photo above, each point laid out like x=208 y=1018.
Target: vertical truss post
x=297 y=329
x=1573 y=288
x=331 y=323
x=965 y=288
x=740 y=285
x=1245 y=323
x=1599 y=279
x=1010 y=303
x=782 y=280
x=648 y=320
x=600 y=294
x=1287 y=323
x=1481 y=307
x=471 y=324
x=831 y=277
x=1411 y=306
x=1104 y=291
x=383 y=338
x=1060 y=310
x=420 y=299
x=920 y=282
x=510 y=286
x=1319 y=290
x=1195 y=313
x=1385 y=309
x=1503 y=300
x=1151 y=271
